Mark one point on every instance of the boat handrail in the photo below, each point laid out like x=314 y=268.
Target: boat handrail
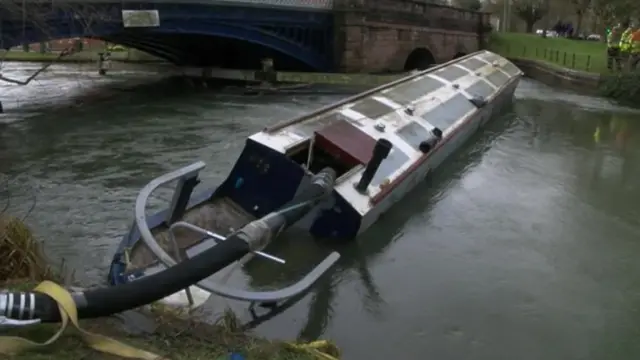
x=233 y=293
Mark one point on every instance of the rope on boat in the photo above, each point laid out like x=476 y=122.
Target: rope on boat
x=13 y=345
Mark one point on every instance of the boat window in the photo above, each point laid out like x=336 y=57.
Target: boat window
x=490 y=57
x=511 y=69
x=446 y=114
x=451 y=73
x=410 y=91
x=413 y=134
x=498 y=78
x=480 y=88
x=473 y=64
x=372 y=108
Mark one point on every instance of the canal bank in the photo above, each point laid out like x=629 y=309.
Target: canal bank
x=557 y=76
x=542 y=71
x=622 y=87
x=89 y=56
x=573 y=64
x=553 y=61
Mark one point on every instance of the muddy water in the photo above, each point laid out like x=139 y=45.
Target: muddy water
x=524 y=246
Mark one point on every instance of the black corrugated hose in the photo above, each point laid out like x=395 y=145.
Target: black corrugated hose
x=115 y=299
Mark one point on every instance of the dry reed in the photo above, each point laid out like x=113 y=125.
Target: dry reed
x=22 y=255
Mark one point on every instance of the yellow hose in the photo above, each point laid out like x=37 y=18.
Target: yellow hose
x=11 y=345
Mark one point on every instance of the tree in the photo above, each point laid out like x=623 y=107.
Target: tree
x=581 y=7
x=530 y=11
x=610 y=11
x=44 y=67
x=35 y=16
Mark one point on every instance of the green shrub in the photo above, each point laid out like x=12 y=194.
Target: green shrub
x=623 y=87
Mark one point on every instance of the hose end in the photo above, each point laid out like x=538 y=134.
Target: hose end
x=325 y=179
x=257 y=234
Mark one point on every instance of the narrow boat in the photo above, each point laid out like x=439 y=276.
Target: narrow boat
x=380 y=144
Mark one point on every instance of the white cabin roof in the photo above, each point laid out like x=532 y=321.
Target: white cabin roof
x=475 y=75
x=439 y=97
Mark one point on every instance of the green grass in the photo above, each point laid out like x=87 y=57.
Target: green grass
x=175 y=338
x=581 y=55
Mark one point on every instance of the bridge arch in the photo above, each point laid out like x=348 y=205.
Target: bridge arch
x=419 y=59
x=461 y=51
x=249 y=34
x=305 y=54
x=459 y=54
x=151 y=47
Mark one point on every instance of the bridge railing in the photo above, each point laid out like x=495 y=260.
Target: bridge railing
x=417 y=12
x=431 y=15
x=304 y=4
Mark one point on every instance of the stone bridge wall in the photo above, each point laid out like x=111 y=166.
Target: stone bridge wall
x=379 y=35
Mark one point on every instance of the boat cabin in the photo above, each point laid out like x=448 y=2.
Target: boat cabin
x=339 y=145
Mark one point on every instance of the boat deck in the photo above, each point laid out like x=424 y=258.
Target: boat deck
x=221 y=216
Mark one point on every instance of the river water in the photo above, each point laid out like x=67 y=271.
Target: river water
x=523 y=246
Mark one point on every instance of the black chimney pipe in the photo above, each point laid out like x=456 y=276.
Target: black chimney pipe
x=380 y=152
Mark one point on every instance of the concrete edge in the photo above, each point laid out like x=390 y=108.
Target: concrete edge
x=553 y=75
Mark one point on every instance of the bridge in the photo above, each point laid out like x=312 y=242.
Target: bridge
x=302 y=35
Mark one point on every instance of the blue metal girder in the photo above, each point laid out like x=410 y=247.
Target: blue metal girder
x=304 y=35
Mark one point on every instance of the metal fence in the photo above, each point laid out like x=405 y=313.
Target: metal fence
x=578 y=61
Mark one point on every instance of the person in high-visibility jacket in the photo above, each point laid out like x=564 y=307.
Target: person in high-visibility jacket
x=625 y=44
x=613 y=48
x=634 y=48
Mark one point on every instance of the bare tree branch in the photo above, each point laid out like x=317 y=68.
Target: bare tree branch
x=63 y=53
x=530 y=11
x=40 y=17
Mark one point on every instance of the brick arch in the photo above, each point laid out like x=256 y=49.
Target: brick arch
x=460 y=50
x=459 y=54
x=420 y=58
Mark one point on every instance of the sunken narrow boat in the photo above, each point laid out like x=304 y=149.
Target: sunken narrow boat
x=378 y=145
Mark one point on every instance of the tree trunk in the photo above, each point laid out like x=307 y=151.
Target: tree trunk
x=530 y=26
x=547 y=18
x=579 y=16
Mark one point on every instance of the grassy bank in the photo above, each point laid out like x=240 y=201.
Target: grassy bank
x=80 y=57
x=172 y=336
x=580 y=55
x=561 y=53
